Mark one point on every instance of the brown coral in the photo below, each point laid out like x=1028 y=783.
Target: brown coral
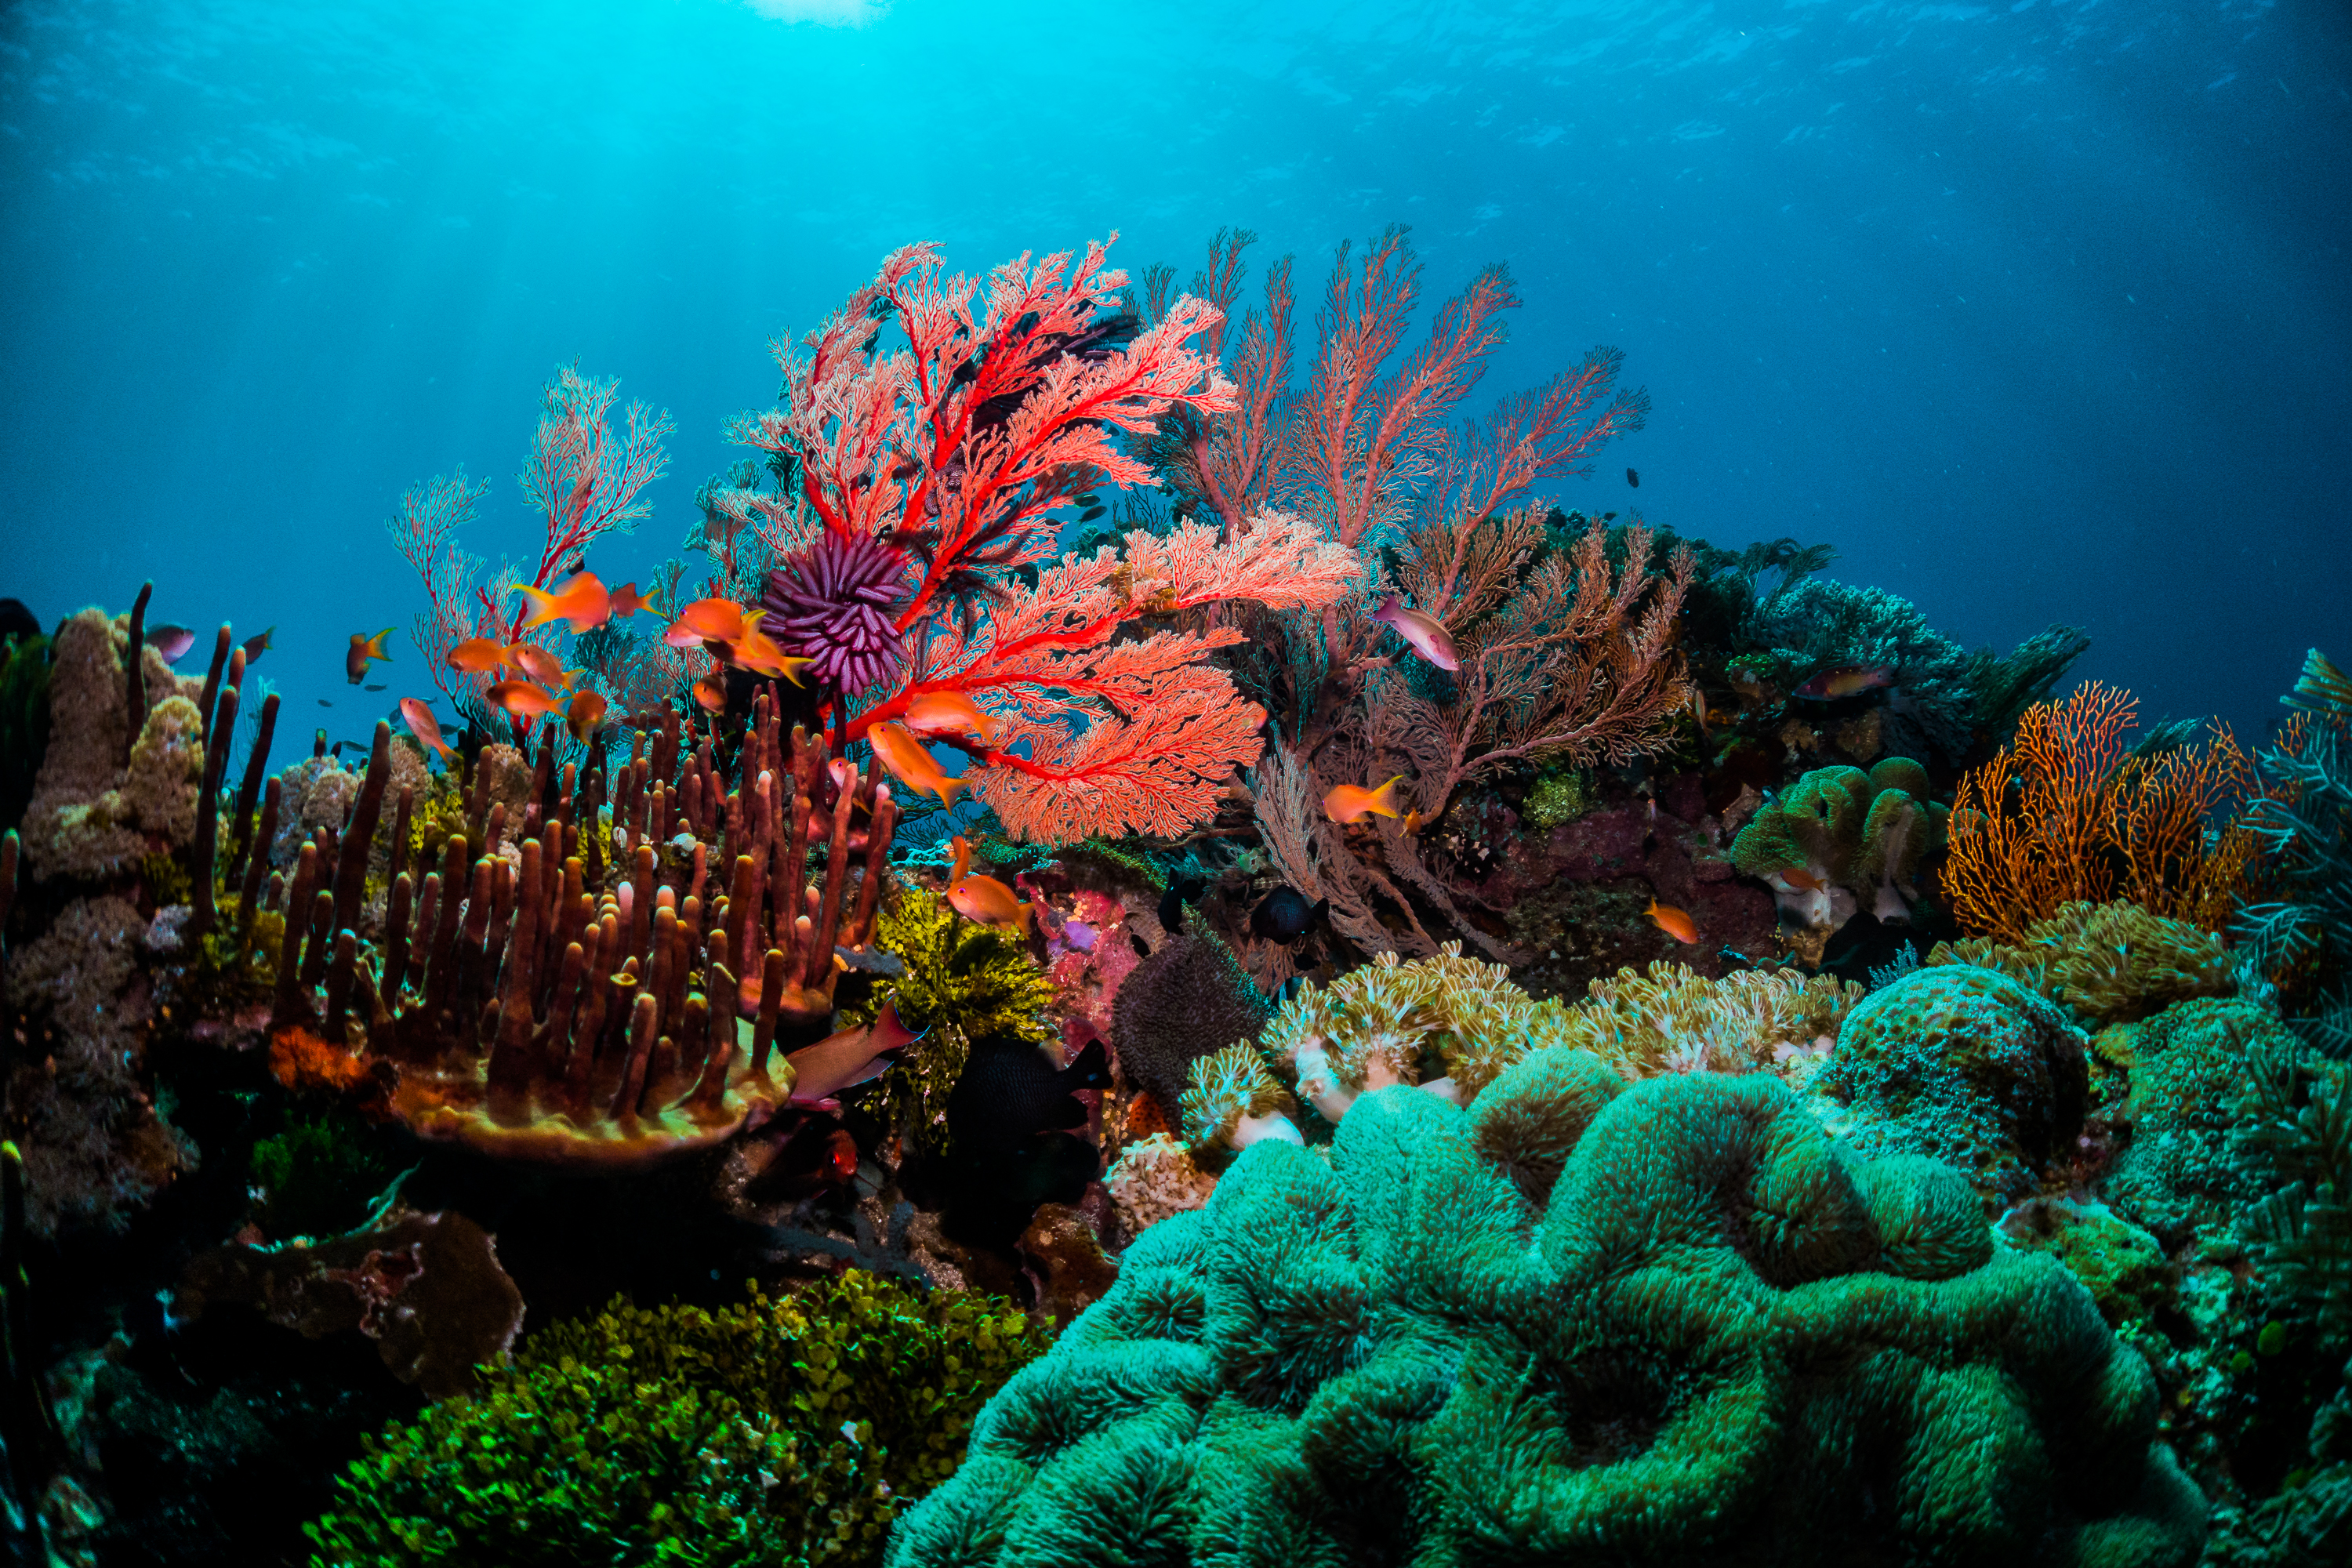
x=90 y=811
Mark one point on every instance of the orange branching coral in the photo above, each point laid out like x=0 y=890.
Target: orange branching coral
x=2069 y=813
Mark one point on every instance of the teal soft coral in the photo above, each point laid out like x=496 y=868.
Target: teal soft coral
x=1715 y=1337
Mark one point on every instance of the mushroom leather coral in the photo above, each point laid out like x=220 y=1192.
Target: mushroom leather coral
x=1858 y=839
x=1718 y=1337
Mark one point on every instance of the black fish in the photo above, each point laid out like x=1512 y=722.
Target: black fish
x=1181 y=892
x=370 y=688
x=1010 y=1093
x=1284 y=915
x=324 y=703
x=17 y=621
x=255 y=647
x=1633 y=478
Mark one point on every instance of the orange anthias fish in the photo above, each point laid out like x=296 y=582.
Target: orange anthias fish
x=538 y=664
x=1801 y=878
x=948 y=714
x=706 y=620
x=911 y=762
x=365 y=651
x=754 y=650
x=628 y=601
x=1347 y=802
x=1428 y=638
x=711 y=691
x=427 y=729
x=584 y=715
x=479 y=655
x=582 y=602
x=523 y=698
x=1673 y=921
x=983 y=898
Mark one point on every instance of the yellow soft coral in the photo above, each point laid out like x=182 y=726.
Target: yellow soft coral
x=2112 y=963
x=1671 y=1018
x=1391 y=1023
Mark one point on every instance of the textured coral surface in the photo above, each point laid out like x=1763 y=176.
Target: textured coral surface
x=1717 y=1338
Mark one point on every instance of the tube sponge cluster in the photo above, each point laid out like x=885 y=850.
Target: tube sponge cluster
x=1715 y=1335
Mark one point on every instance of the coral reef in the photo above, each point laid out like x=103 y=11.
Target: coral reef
x=426 y=1288
x=783 y=1430
x=1726 y=1339
x=1966 y=1066
x=1153 y=1178
x=1673 y=1019
x=108 y=795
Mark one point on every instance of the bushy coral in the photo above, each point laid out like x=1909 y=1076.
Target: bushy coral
x=1560 y=795
x=1671 y=1018
x=1719 y=1337
x=1966 y=1066
x=785 y=1430
x=959 y=983
x=317 y=1175
x=2111 y=964
x=1855 y=841
x=2122 y=1266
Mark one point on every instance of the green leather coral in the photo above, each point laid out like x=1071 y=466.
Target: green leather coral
x=782 y=1431
x=1860 y=838
x=1716 y=1336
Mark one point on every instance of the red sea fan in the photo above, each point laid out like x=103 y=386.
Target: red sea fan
x=835 y=603
x=930 y=473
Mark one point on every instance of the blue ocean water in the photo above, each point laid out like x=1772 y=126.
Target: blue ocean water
x=2037 y=311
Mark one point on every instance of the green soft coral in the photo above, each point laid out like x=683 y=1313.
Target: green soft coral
x=782 y=1431
x=1716 y=1337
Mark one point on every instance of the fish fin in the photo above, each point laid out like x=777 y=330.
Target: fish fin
x=376 y=644
x=544 y=606
x=948 y=787
x=1383 y=799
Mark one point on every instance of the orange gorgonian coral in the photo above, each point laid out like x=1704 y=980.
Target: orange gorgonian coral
x=2069 y=812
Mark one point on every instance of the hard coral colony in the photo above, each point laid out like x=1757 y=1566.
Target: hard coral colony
x=1734 y=1076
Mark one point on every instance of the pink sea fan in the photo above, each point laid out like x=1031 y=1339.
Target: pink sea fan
x=834 y=602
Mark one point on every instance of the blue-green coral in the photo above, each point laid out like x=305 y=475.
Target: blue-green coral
x=1964 y=1065
x=2188 y=1066
x=785 y=1431
x=1716 y=1337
